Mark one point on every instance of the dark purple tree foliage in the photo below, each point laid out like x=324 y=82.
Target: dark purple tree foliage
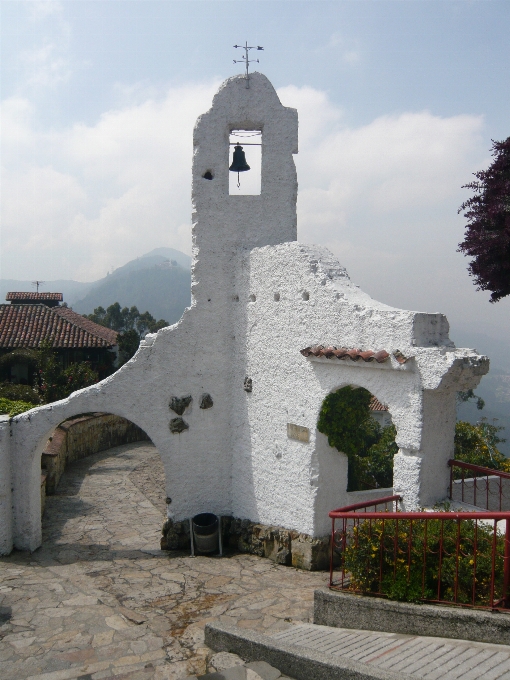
x=487 y=238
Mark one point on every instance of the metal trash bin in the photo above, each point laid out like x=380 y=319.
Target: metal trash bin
x=205 y=532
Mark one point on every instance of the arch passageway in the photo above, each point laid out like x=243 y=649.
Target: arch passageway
x=110 y=501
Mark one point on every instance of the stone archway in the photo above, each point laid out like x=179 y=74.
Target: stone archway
x=334 y=485
x=360 y=426
x=109 y=503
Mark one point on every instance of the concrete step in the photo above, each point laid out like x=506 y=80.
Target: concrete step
x=308 y=651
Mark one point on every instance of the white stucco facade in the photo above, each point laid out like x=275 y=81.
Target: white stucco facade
x=258 y=298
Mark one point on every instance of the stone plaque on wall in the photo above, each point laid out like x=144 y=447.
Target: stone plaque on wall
x=298 y=432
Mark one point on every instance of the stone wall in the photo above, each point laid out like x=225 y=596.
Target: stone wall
x=280 y=545
x=83 y=436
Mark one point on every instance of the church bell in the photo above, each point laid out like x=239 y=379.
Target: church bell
x=239 y=163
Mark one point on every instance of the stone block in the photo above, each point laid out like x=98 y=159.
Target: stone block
x=310 y=553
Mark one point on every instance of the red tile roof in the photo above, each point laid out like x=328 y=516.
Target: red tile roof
x=343 y=353
x=34 y=297
x=375 y=405
x=26 y=325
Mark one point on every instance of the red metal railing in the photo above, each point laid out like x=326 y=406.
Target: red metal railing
x=460 y=558
x=480 y=486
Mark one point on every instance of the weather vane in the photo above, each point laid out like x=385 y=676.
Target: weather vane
x=246 y=60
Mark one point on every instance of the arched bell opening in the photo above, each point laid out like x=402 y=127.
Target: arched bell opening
x=359 y=425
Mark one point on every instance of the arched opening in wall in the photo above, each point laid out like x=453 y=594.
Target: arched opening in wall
x=360 y=426
x=102 y=485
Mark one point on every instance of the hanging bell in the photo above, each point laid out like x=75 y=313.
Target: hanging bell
x=239 y=163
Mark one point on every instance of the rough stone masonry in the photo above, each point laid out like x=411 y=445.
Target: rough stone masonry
x=274 y=326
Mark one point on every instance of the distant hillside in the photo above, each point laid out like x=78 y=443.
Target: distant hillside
x=162 y=289
x=158 y=282
x=155 y=257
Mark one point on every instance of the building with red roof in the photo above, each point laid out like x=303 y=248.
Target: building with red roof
x=31 y=318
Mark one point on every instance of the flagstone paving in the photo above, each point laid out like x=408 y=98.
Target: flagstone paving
x=100 y=600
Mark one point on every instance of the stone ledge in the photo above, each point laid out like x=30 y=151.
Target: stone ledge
x=298 y=662
x=280 y=545
x=347 y=610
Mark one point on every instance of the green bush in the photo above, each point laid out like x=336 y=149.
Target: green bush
x=13 y=408
x=477 y=444
x=19 y=393
x=397 y=559
x=346 y=420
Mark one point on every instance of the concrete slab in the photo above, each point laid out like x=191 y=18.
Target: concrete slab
x=310 y=652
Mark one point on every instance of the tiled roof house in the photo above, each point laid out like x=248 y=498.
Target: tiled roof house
x=33 y=317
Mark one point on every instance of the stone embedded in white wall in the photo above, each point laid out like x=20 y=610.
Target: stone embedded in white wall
x=299 y=433
x=238 y=346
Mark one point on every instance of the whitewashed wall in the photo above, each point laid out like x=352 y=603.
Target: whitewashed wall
x=258 y=298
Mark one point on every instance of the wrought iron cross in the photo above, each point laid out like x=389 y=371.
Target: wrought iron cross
x=246 y=60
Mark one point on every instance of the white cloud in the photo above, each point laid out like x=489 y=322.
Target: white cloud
x=394 y=169
x=78 y=201
x=346 y=48
x=45 y=66
x=40 y=9
x=46 y=63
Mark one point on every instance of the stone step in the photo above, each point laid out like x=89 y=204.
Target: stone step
x=314 y=652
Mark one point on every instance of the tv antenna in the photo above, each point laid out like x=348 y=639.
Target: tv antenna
x=246 y=59
x=36 y=284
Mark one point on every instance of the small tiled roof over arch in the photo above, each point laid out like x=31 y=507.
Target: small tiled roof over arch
x=376 y=405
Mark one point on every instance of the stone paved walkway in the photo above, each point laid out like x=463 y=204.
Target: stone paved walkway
x=100 y=600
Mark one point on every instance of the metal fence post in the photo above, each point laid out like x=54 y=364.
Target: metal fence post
x=506 y=572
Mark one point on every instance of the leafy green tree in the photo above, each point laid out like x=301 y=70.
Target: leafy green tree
x=468 y=396
x=379 y=459
x=346 y=420
x=131 y=325
x=57 y=383
x=477 y=444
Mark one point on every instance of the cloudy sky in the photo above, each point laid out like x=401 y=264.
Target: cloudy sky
x=398 y=102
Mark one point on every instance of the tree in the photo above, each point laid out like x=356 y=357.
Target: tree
x=468 y=396
x=346 y=420
x=487 y=237
x=477 y=444
x=131 y=325
x=57 y=383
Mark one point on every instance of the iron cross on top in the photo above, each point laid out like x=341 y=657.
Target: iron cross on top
x=246 y=60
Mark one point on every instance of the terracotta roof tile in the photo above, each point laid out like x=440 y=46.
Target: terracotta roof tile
x=375 y=405
x=26 y=325
x=34 y=297
x=344 y=353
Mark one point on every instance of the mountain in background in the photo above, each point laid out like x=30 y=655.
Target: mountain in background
x=158 y=282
